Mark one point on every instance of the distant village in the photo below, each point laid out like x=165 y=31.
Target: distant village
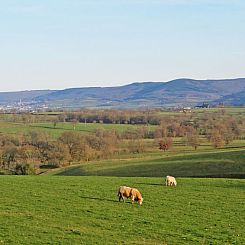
x=19 y=107
x=34 y=106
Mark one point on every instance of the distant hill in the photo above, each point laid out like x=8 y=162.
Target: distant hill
x=180 y=92
x=236 y=99
x=28 y=95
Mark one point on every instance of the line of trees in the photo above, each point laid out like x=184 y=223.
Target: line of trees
x=139 y=117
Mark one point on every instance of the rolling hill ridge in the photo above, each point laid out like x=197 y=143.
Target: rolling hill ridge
x=179 y=92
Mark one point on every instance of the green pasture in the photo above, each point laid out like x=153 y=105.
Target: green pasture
x=85 y=210
x=56 y=131
x=78 y=204
x=222 y=163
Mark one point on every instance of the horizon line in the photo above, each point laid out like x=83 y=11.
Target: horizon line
x=54 y=90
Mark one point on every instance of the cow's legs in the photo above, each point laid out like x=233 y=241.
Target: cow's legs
x=132 y=198
x=120 y=197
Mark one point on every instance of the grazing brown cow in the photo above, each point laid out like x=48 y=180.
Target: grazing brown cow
x=127 y=192
x=170 y=181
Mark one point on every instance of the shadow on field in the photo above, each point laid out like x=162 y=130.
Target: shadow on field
x=223 y=176
x=235 y=147
x=99 y=199
x=47 y=127
x=60 y=128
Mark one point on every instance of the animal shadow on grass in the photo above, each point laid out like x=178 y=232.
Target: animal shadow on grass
x=99 y=199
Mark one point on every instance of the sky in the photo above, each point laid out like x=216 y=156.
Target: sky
x=57 y=44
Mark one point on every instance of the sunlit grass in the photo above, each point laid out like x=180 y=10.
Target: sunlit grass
x=85 y=210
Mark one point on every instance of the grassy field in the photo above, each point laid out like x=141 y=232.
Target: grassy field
x=222 y=163
x=85 y=210
x=78 y=204
x=55 y=132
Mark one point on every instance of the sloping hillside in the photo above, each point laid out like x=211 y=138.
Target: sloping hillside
x=227 y=164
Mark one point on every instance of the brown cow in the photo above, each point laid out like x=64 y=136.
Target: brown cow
x=127 y=192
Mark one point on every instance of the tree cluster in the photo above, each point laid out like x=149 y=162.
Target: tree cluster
x=25 y=154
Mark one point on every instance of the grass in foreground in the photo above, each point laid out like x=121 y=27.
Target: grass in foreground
x=85 y=210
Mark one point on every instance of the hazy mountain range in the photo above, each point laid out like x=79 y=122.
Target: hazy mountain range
x=180 y=92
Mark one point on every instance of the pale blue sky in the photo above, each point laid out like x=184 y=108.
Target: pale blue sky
x=55 y=44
